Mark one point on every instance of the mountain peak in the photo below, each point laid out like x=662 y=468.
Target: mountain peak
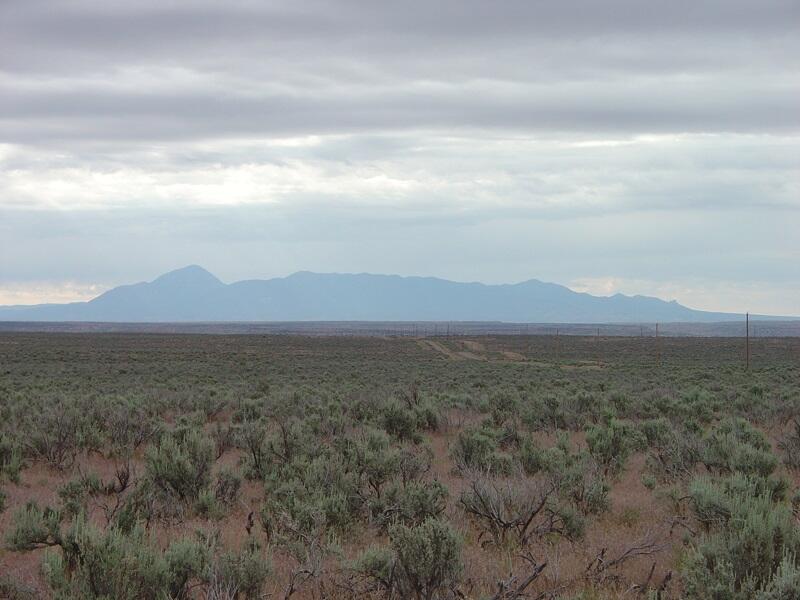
x=189 y=275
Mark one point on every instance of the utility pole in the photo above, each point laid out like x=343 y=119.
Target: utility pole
x=747 y=342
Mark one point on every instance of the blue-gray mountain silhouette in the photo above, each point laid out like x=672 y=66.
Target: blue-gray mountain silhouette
x=194 y=294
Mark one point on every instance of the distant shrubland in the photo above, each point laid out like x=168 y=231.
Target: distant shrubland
x=223 y=467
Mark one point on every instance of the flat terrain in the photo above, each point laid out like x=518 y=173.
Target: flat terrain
x=222 y=466
x=766 y=328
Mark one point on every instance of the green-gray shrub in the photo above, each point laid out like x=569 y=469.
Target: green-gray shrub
x=748 y=537
x=227 y=487
x=479 y=449
x=674 y=453
x=34 y=527
x=401 y=422
x=427 y=559
x=75 y=494
x=575 y=475
x=181 y=468
x=785 y=584
x=736 y=446
x=11 y=589
x=612 y=442
x=246 y=572
x=409 y=504
x=789 y=445
x=10 y=460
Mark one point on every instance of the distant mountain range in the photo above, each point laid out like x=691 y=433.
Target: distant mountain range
x=193 y=294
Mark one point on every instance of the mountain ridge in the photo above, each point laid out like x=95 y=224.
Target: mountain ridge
x=193 y=294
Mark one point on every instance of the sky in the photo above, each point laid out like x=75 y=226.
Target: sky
x=619 y=146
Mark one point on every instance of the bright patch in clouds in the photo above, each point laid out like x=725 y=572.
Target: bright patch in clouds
x=40 y=292
x=714 y=296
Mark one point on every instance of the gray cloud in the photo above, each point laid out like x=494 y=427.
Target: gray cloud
x=142 y=71
x=625 y=107
x=625 y=140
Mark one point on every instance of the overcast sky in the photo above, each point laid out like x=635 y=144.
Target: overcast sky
x=615 y=146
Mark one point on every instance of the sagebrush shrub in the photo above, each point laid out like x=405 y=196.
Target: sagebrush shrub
x=612 y=442
x=181 y=468
x=789 y=445
x=736 y=446
x=409 y=504
x=504 y=407
x=785 y=583
x=575 y=475
x=694 y=405
x=479 y=449
x=428 y=559
x=10 y=466
x=377 y=566
x=96 y=565
x=312 y=490
x=85 y=561
x=251 y=438
x=227 y=487
x=75 y=493
x=129 y=426
x=655 y=431
x=401 y=422
x=10 y=459
x=224 y=436
x=244 y=573
x=749 y=536
x=674 y=453
x=373 y=457
x=11 y=589
x=551 y=413
x=415 y=461
x=206 y=505
x=34 y=527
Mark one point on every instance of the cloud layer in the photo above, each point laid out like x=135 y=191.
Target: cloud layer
x=648 y=144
